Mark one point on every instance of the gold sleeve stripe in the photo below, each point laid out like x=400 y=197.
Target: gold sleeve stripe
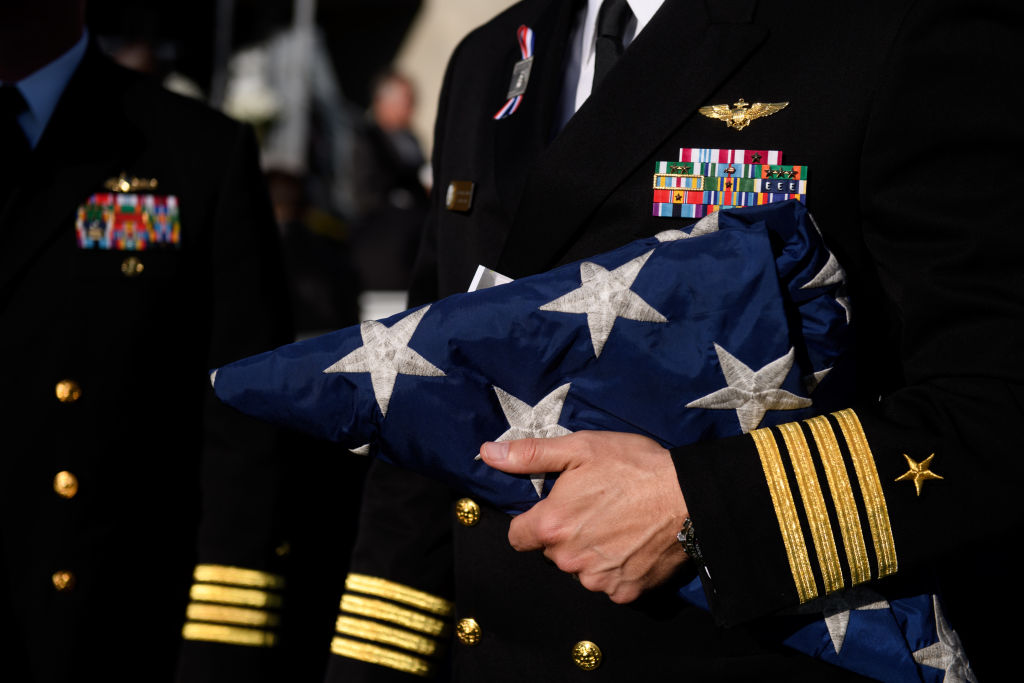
x=387 y=611
x=785 y=511
x=382 y=588
x=814 y=505
x=233 y=635
x=842 y=498
x=382 y=656
x=388 y=635
x=250 y=578
x=246 y=597
x=201 y=611
x=871 y=489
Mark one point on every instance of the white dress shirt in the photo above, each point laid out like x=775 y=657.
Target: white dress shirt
x=579 y=66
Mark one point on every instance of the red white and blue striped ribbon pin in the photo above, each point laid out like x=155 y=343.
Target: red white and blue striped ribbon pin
x=525 y=35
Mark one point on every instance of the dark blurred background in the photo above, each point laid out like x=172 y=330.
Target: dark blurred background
x=362 y=36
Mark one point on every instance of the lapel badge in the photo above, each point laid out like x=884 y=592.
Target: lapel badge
x=123 y=183
x=459 y=196
x=741 y=114
x=520 y=73
x=919 y=472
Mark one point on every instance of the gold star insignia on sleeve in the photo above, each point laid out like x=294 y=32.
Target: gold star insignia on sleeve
x=918 y=472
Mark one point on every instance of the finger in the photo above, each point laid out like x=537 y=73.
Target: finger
x=624 y=594
x=523 y=531
x=528 y=456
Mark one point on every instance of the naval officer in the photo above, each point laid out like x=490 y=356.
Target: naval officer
x=138 y=250
x=883 y=102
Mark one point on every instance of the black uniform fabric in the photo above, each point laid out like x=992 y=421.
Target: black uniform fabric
x=145 y=429
x=392 y=206
x=885 y=100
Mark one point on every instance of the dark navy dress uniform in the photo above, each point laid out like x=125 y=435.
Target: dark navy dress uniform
x=885 y=101
x=109 y=425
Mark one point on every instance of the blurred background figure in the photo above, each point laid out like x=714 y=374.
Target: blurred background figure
x=388 y=175
x=283 y=82
x=143 y=54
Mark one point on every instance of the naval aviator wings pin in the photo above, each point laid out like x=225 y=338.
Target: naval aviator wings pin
x=125 y=183
x=703 y=181
x=520 y=73
x=741 y=114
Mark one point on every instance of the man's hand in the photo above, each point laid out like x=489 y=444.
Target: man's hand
x=611 y=518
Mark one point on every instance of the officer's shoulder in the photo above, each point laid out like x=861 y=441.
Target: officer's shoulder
x=497 y=30
x=151 y=106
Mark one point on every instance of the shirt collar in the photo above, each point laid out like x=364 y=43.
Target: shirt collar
x=643 y=10
x=42 y=89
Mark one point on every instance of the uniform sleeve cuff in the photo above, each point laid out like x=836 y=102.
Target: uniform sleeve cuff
x=787 y=514
x=731 y=508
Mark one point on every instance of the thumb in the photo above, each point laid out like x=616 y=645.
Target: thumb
x=528 y=456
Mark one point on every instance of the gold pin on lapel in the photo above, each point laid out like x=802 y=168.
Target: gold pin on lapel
x=124 y=183
x=459 y=196
x=741 y=114
x=919 y=472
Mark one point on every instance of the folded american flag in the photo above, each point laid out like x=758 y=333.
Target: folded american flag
x=740 y=322
x=681 y=337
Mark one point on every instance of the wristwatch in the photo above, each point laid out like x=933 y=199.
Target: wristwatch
x=688 y=540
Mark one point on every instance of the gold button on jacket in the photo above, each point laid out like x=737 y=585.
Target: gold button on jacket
x=68 y=391
x=65 y=484
x=467 y=511
x=586 y=655
x=468 y=631
x=63 y=581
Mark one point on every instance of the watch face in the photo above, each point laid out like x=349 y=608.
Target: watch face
x=689 y=541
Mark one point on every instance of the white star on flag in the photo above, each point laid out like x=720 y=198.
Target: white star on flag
x=705 y=226
x=385 y=354
x=832 y=274
x=751 y=394
x=947 y=654
x=605 y=295
x=812 y=381
x=843 y=300
x=837 y=610
x=533 y=422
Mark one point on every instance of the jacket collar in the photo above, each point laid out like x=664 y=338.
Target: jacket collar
x=633 y=112
x=88 y=139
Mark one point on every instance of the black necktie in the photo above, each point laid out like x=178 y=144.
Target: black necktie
x=14 y=147
x=612 y=19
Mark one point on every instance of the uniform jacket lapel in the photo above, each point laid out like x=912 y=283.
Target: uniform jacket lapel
x=688 y=49
x=520 y=138
x=86 y=141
